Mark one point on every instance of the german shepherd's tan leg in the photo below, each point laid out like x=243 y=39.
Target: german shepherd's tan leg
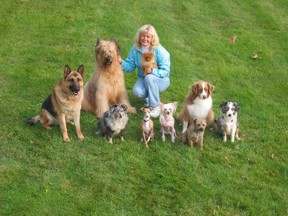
x=46 y=119
x=77 y=126
x=63 y=127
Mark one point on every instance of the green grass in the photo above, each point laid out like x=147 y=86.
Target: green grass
x=42 y=175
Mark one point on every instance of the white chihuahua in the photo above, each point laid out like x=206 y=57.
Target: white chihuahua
x=167 y=120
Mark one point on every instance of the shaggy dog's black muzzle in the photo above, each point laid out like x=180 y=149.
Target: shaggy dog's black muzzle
x=108 y=61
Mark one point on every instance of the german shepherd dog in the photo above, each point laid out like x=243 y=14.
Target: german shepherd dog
x=63 y=103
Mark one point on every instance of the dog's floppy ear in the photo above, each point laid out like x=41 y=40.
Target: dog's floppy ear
x=193 y=88
x=67 y=71
x=117 y=44
x=97 y=46
x=125 y=108
x=80 y=70
x=210 y=88
x=174 y=104
x=112 y=107
x=237 y=107
x=224 y=103
x=194 y=120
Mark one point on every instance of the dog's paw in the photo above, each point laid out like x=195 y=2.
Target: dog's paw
x=132 y=110
x=66 y=139
x=81 y=137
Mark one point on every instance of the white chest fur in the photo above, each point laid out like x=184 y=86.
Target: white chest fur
x=200 y=107
x=230 y=125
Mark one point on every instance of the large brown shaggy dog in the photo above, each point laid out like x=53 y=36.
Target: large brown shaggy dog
x=106 y=86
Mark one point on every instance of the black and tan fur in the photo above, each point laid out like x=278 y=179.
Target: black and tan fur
x=64 y=103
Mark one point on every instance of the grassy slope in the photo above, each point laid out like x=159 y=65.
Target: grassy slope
x=40 y=174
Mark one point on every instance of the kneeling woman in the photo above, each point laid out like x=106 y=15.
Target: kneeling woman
x=149 y=87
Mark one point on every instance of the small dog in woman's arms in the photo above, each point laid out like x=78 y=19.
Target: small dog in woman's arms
x=227 y=122
x=194 y=135
x=147 y=126
x=148 y=62
x=167 y=120
x=113 y=122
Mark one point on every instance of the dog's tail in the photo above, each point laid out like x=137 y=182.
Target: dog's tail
x=33 y=120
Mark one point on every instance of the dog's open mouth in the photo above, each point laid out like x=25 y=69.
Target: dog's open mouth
x=75 y=90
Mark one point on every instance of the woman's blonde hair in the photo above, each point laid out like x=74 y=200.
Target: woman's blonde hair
x=150 y=30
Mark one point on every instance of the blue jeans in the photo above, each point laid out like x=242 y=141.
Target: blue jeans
x=150 y=87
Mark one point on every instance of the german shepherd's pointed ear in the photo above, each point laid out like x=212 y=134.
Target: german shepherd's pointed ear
x=117 y=44
x=67 y=71
x=80 y=70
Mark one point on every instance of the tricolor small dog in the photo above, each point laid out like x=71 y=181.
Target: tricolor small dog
x=113 y=122
x=197 y=104
x=227 y=122
x=147 y=126
x=167 y=120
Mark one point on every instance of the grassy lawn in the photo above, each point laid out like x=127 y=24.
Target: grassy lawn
x=42 y=175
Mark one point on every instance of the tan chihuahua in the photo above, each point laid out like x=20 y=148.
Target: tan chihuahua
x=147 y=126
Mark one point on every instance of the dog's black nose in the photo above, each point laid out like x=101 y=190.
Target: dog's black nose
x=75 y=88
x=107 y=61
x=229 y=115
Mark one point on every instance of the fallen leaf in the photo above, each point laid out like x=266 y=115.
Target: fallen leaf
x=233 y=38
x=255 y=56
